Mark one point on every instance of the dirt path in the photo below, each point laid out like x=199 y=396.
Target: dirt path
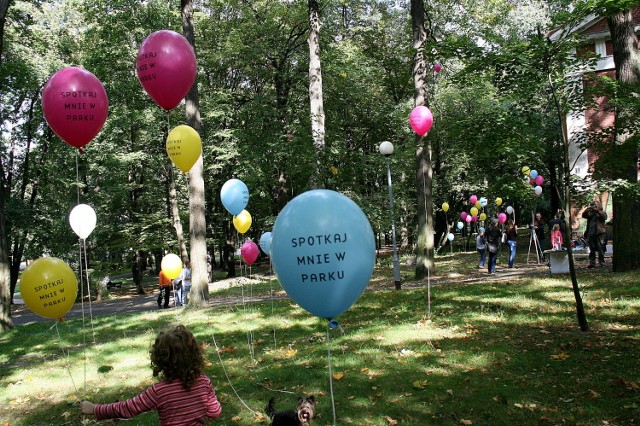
x=128 y=302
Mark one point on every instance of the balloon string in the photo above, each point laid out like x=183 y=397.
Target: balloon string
x=333 y=402
x=86 y=272
x=213 y=337
x=65 y=358
x=275 y=343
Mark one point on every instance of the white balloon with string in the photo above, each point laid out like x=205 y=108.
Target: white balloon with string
x=83 y=220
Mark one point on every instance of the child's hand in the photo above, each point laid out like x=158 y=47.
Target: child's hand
x=87 y=407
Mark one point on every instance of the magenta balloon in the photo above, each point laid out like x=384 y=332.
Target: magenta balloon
x=539 y=180
x=421 y=120
x=75 y=105
x=469 y=218
x=166 y=67
x=474 y=218
x=502 y=218
x=437 y=67
x=249 y=252
x=463 y=215
x=473 y=199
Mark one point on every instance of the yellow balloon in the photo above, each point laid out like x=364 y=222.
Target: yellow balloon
x=242 y=222
x=526 y=170
x=445 y=207
x=498 y=201
x=478 y=204
x=49 y=287
x=473 y=211
x=171 y=265
x=184 y=147
x=483 y=216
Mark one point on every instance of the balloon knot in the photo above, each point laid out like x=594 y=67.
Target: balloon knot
x=82 y=152
x=61 y=319
x=334 y=324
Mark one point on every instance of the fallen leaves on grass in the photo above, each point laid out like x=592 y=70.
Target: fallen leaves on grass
x=338 y=376
x=419 y=384
x=465 y=422
x=560 y=357
x=391 y=421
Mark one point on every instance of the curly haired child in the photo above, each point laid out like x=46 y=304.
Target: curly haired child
x=184 y=396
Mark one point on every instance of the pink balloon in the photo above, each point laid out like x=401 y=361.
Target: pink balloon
x=539 y=180
x=474 y=218
x=421 y=120
x=469 y=218
x=437 y=67
x=473 y=199
x=502 y=218
x=166 y=67
x=249 y=252
x=463 y=215
x=75 y=105
x=532 y=181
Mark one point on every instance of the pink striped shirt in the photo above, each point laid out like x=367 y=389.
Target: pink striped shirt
x=176 y=406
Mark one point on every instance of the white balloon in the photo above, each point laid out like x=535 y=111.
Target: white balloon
x=83 y=220
x=509 y=210
x=538 y=190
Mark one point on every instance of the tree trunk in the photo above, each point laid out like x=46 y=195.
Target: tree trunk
x=424 y=168
x=175 y=212
x=5 y=274
x=626 y=227
x=197 y=218
x=315 y=90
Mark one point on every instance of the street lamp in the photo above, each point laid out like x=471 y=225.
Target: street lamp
x=386 y=149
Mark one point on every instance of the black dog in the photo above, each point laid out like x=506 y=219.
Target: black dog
x=304 y=412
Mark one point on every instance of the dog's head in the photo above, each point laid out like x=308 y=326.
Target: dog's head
x=306 y=408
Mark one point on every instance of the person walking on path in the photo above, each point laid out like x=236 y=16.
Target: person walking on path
x=512 y=237
x=184 y=396
x=595 y=232
x=494 y=237
x=481 y=246
x=165 y=284
x=185 y=278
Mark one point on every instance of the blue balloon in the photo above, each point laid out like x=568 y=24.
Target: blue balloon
x=460 y=225
x=265 y=242
x=234 y=196
x=323 y=251
x=481 y=230
x=450 y=236
x=533 y=174
x=483 y=202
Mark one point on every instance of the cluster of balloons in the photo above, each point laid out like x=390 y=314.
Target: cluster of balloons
x=474 y=214
x=323 y=251
x=533 y=178
x=421 y=120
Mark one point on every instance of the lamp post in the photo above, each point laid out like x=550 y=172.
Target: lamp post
x=386 y=149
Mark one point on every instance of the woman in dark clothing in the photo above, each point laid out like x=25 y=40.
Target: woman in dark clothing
x=494 y=235
x=512 y=235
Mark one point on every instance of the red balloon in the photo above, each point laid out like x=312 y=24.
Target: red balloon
x=75 y=105
x=437 y=67
x=249 y=252
x=166 y=67
x=421 y=120
x=532 y=181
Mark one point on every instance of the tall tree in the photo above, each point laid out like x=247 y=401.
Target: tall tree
x=626 y=203
x=197 y=217
x=424 y=168
x=315 y=89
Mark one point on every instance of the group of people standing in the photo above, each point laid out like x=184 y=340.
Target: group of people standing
x=490 y=240
x=181 y=287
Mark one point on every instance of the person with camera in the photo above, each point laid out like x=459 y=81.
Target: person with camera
x=595 y=232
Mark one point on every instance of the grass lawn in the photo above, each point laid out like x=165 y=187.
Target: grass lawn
x=504 y=352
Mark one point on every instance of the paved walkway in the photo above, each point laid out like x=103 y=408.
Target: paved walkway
x=130 y=303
